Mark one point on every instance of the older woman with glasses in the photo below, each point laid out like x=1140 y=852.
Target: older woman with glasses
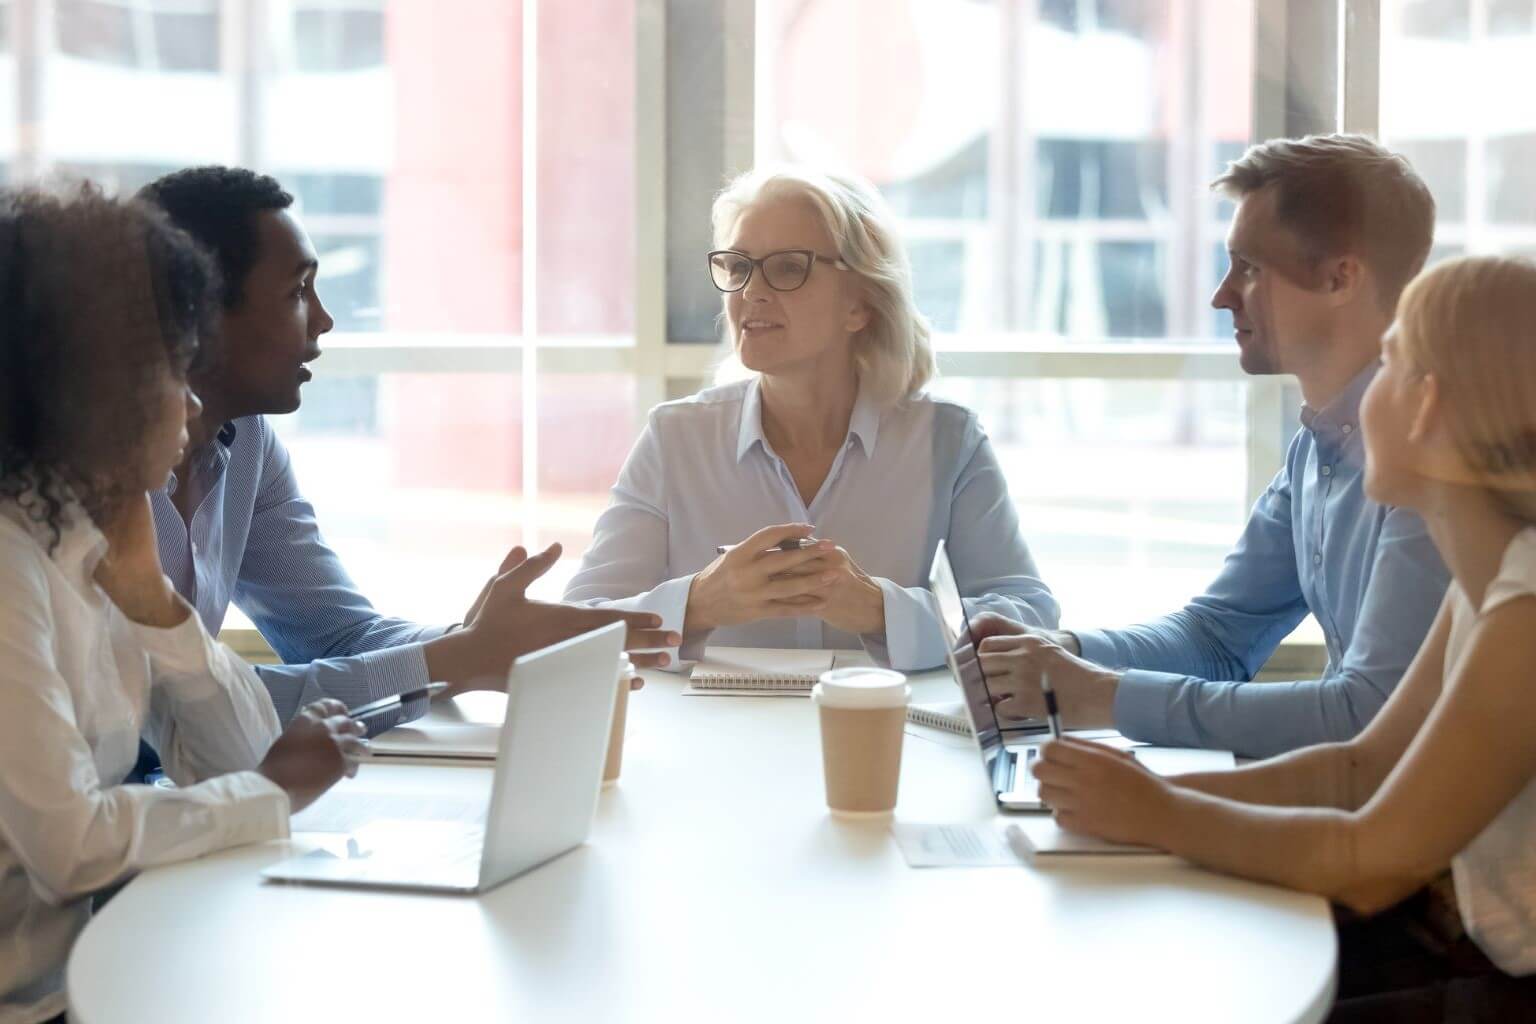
x=801 y=507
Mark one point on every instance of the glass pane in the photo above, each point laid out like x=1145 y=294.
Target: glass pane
x=187 y=40
x=1129 y=493
x=101 y=32
x=416 y=481
x=587 y=424
x=137 y=85
x=1467 y=127
x=1049 y=159
x=348 y=38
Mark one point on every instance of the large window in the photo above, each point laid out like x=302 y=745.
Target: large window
x=509 y=200
x=404 y=130
x=1050 y=162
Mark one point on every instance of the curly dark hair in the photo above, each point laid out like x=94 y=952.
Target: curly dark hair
x=217 y=206
x=98 y=297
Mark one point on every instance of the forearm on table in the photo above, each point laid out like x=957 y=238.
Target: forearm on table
x=1326 y=851
x=1320 y=776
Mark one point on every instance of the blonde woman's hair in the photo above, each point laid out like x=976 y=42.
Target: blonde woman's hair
x=893 y=353
x=1471 y=323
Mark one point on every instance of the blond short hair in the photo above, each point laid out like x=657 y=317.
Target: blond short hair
x=893 y=354
x=1343 y=193
x=1471 y=322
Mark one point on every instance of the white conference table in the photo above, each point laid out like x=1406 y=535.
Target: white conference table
x=715 y=887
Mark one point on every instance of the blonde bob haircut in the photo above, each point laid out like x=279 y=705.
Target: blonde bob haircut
x=893 y=354
x=1471 y=322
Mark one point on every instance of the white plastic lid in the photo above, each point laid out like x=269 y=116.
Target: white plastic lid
x=862 y=688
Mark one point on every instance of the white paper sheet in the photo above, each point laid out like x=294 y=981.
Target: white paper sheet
x=953 y=846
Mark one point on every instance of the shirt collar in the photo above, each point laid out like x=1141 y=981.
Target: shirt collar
x=217 y=453
x=863 y=424
x=81 y=545
x=1340 y=418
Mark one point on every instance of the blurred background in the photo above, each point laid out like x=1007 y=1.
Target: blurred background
x=508 y=202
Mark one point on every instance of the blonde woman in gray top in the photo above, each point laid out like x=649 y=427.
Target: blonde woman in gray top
x=1445 y=776
x=831 y=433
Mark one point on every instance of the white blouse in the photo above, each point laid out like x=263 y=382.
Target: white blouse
x=78 y=683
x=704 y=474
x=1496 y=874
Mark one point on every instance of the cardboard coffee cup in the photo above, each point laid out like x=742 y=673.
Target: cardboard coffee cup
x=863 y=714
x=615 y=762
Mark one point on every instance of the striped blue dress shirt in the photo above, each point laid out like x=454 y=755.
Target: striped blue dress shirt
x=1369 y=574
x=253 y=540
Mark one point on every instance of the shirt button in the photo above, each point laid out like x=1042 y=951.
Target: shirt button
x=1327 y=471
x=1348 y=429
x=1317 y=559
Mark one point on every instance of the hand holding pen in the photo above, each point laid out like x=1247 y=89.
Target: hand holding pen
x=766 y=576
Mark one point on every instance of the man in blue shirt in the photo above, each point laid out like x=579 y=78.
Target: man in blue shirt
x=1326 y=233
x=232 y=524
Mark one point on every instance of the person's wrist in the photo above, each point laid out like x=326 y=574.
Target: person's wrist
x=445 y=656
x=695 y=619
x=874 y=609
x=1096 y=706
x=1172 y=815
x=1068 y=641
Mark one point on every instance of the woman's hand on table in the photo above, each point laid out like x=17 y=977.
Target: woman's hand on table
x=1100 y=791
x=319 y=746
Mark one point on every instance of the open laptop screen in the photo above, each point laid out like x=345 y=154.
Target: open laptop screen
x=963 y=657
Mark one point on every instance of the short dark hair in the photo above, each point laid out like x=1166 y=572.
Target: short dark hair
x=98 y=297
x=217 y=206
x=1343 y=191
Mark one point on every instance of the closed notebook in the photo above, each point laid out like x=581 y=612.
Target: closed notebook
x=467 y=727
x=948 y=715
x=766 y=669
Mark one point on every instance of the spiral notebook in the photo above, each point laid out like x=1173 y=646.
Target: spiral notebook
x=948 y=715
x=765 y=671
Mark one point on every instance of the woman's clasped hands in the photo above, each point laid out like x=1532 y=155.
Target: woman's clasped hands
x=767 y=576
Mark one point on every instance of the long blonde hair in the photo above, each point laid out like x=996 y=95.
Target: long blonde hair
x=893 y=354
x=1471 y=322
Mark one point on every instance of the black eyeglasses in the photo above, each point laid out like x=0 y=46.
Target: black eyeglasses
x=784 y=271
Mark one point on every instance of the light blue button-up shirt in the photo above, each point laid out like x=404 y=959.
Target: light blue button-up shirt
x=253 y=540
x=703 y=474
x=1369 y=574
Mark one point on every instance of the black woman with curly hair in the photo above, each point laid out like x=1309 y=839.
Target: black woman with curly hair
x=103 y=306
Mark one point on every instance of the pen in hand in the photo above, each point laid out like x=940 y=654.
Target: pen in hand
x=1052 y=712
x=790 y=544
x=378 y=707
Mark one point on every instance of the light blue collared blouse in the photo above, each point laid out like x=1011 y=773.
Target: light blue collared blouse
x=703 y=474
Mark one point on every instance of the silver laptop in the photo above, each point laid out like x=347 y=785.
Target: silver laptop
x=1005 y=752
x=549 y=769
